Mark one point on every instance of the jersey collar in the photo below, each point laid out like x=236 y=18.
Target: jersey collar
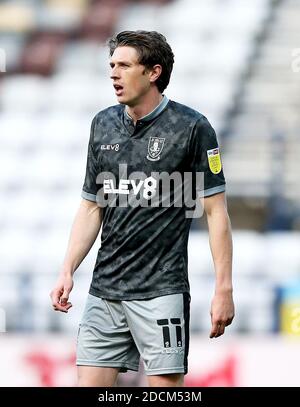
x=152 y=115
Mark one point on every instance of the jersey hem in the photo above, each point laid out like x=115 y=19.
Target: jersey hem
x=161 y=293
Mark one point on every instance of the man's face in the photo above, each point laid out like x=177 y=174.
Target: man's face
x=130 y=78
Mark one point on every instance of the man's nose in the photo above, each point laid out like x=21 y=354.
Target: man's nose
x=114 y=73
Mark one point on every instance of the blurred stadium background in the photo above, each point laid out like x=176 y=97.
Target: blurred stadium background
x=238 y=62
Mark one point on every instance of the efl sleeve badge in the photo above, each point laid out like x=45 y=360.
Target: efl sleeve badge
x=214 y=160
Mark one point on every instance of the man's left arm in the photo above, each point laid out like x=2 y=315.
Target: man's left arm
x=220 y=240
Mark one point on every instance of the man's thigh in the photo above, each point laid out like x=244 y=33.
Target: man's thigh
x=160 y=328
x=94 y=376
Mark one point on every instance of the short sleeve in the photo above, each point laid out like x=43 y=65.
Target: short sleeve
x=90 y=187
x=205 y=158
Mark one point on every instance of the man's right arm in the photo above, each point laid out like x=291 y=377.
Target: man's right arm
x=85 y=229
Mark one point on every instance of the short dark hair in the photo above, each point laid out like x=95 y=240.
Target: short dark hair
x=152 y=48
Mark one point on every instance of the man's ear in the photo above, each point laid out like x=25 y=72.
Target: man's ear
x=155 y=73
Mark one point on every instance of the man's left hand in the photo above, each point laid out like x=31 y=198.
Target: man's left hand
x=222 y=313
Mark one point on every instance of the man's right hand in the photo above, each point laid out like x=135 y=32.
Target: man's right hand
x=60 y=294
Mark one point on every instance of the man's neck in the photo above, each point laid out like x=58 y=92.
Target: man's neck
x=145 y=107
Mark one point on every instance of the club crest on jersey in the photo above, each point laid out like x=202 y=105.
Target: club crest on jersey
x=155 y=147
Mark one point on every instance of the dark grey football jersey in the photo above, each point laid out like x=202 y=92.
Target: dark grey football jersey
x=144 y=238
